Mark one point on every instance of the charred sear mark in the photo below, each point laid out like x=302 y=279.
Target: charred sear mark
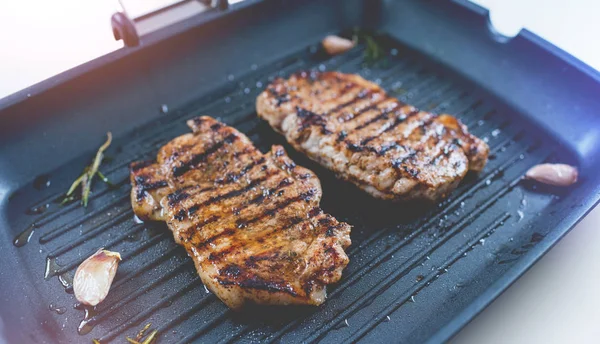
x=280 y=98
x=145 y=183
x=231 y=271
x=198 y=158
x=330 y=224
x=306 y=196
x=258 y=283
x=233 y=177
x=198 y=121
x=309 y=118
x=315 y=211
x=233 y=193
x=279 y=152
x=372 y=105
x=180 y=215
x=177 y=196
x=443 y=153
x=224 y=233
x=413 y=172
x=384 y=114
x=252 y=261
x=384 y=149
x=216 y=126
x=397 y=163
x=361 y=95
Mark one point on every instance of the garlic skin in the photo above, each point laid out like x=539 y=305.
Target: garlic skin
x=334 y=45
x=94 y=277
x=553 y=174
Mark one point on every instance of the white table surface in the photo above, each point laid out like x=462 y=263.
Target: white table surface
x=556 y=301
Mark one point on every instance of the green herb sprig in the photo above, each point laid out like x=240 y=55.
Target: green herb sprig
x=151 y=338
x=89 y=172
x=374 y=51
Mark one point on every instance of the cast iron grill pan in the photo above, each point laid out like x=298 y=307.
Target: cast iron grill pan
x=413 y=267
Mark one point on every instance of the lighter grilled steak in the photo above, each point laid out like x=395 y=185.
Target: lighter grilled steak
x=387 y=148
x=250 y=221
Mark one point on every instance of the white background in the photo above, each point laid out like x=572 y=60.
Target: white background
x=557 y=301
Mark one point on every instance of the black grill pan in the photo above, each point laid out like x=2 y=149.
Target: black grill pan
x=417 y=273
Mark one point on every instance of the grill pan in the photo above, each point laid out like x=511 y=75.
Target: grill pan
x=417 y=273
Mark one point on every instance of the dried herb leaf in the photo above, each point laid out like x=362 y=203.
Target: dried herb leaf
x=76 y=183
x=140 y=334
x=151 y=337
x=85 y=180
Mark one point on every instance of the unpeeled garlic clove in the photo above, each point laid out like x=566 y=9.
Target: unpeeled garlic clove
x=553 y=174
x=334 y=45
x=94 y=276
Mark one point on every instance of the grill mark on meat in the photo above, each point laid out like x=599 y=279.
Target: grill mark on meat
x=233 y=177
x=406 y=164
x=143 y=185
x=363 y=144
x=368 y=107
x=309 y=118
x=251 y=261
x=255 y=200
x=399 y=120
x=360 y=95
x=444 y=152
x=225 y=232
x=181 y=194
x=293 y=222
x=178 y=196
x=201 y=157
x=280 y=98
x=198 y=121
x=341 y=136
x=255 y=282
x=218 y=255
x=383 y=115
x=233 y=193
x=305 y=196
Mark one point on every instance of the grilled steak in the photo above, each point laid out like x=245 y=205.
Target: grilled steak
x=250 y=221
x=387 y=148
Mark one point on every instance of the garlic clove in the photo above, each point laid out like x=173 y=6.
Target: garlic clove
x=94 y=277
x=334 y=45
x=553 y=174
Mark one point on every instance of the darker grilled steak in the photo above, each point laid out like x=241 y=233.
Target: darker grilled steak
x=250 y=221
x=387 y=148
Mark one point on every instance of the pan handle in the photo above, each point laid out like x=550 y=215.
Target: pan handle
x=136 y=18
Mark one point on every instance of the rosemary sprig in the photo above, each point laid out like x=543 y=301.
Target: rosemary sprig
x=373 y=51
x=140 y=334
x=151 y=338
x=86 y=178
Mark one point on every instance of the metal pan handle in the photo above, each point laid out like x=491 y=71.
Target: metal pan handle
x=137 y=18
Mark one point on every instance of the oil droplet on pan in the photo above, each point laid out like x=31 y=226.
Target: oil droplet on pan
x=58 y=310
x=42 y=181
x=23 y=238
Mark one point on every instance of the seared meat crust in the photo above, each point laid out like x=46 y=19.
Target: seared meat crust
x=387 y=148
x=250 y=221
